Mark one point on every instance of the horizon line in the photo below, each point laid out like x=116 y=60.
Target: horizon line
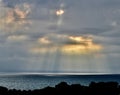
x=54 y=74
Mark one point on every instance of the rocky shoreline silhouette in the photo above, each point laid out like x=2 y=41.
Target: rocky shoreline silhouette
x=100 y=88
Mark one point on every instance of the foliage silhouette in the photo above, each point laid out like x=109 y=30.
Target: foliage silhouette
x=100 y=88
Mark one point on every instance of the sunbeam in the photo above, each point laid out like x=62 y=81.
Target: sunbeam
x=59 y=13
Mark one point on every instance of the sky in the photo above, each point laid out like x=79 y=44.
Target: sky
x=60 y=36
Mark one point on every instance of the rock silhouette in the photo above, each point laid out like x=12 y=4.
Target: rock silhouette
x=100 y=88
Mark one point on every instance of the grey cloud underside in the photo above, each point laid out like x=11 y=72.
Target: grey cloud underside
x=82 y=31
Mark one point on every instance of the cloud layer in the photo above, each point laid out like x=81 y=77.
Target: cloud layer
x=66 y=44
x=60 y=35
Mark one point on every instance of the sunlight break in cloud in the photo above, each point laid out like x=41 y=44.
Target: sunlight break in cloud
x=66 y=44
x=59 y=12
x=13 y=19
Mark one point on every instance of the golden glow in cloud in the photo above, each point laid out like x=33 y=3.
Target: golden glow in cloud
x=80 y=39
x=15 y=18
x=80 y=49
x=60 y=12
x=44 y=41
x=67 y=45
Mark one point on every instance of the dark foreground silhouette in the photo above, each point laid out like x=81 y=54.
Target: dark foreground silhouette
x=101 y=88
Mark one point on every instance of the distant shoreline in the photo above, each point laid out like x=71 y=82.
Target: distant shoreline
x=57 y=74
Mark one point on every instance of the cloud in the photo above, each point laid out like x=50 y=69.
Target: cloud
x=17 y=38
x=114 y=23
x=86 y=30
x=66 y=44
x=107 y=40
x=15 y=18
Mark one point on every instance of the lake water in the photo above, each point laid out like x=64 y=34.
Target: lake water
x=27 y=82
